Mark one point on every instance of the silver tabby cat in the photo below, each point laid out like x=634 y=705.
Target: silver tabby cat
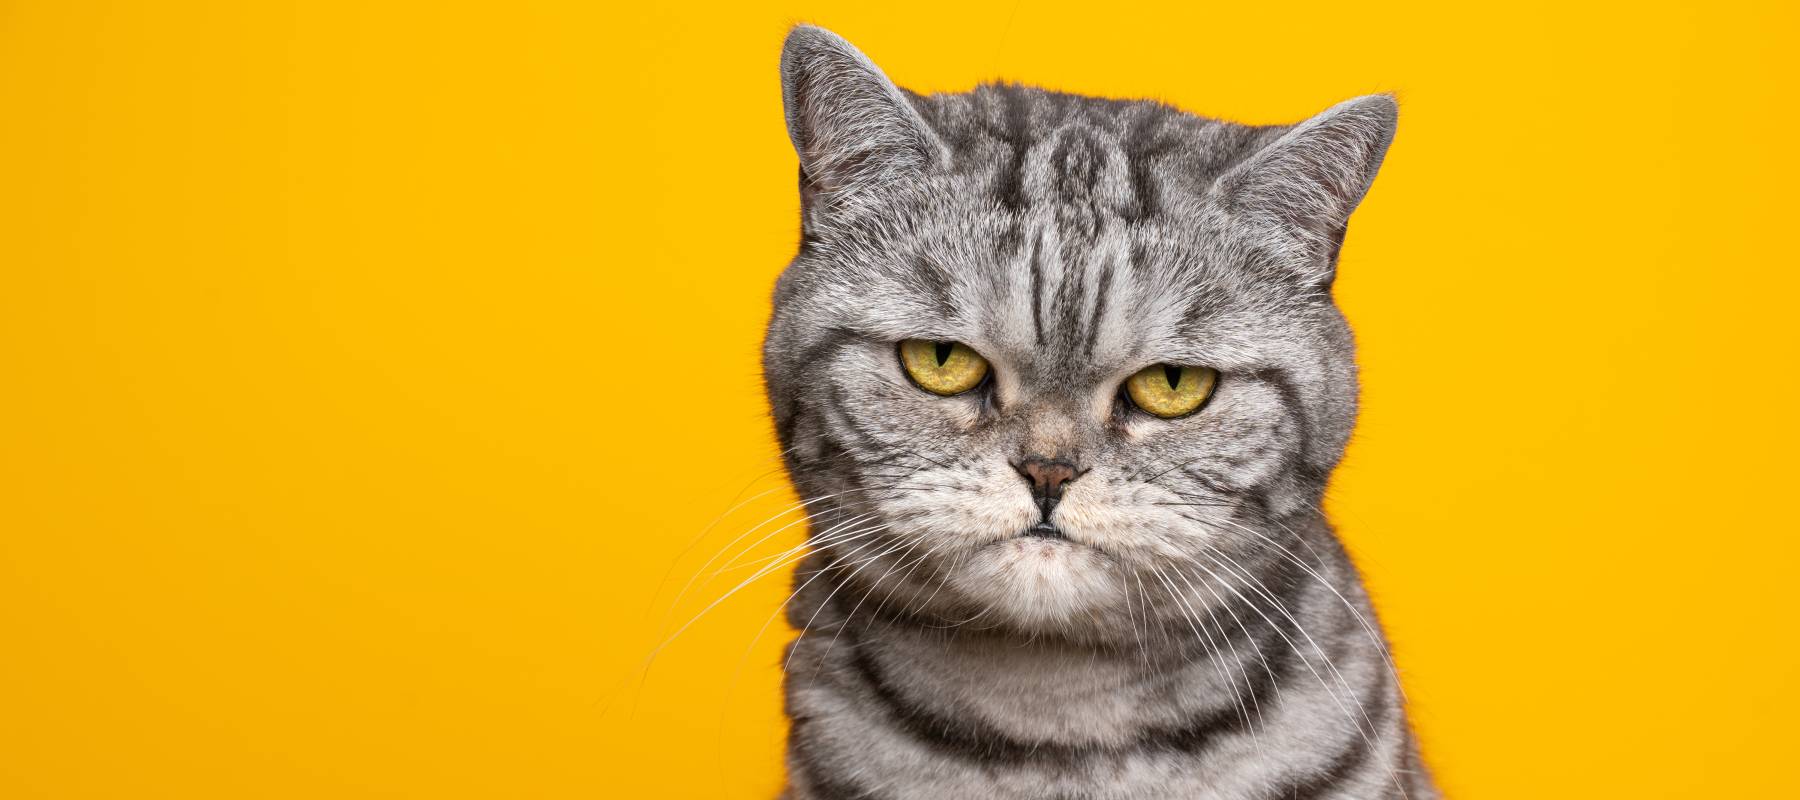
x=1033 y=586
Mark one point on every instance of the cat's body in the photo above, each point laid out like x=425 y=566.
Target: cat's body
x=897 y=708
x=1033 y=588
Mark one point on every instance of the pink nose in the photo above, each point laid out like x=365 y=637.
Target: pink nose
x=1046 y=476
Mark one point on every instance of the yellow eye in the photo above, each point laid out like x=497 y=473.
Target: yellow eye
x=944 y=368
x=1169 y=391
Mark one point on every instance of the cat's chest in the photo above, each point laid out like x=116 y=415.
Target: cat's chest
x=925 y=718
x=906 y=760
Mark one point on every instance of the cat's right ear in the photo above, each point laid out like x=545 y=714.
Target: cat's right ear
x=852 y=127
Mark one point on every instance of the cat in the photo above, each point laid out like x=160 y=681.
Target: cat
x=1061 y=381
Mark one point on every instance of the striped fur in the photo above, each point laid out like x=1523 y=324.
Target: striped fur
x=1197 y=631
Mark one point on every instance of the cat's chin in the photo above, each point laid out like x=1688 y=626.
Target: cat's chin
x=1039 y=582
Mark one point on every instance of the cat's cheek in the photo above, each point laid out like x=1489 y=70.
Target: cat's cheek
x=967 y=526
x=1090 y=513
x=963 y=414
x=956 y=525
x=1117 y=520
x=963 y=508
x=993 y=519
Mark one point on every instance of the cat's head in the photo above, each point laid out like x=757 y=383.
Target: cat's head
x=1038 y=349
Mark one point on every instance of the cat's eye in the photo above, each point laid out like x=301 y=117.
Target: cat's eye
x=944 y=368
x=1169 y=391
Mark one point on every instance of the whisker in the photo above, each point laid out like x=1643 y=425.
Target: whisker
x=1212 y=646
x=1368 y=735
x=823 y=604
x=643 y=670
x=920 y=561
x=695 y=542
x=814 y=541
x=1152 y=478
x=865 y=597
x=1367 y=626
x=1284 y=637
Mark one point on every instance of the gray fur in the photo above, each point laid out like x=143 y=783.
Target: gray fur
x=1199 y=633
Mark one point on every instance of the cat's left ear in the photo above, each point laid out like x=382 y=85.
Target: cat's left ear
x=853 y=128
x=1303 y=186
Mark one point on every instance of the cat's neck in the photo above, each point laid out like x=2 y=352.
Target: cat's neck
x=1039 y=690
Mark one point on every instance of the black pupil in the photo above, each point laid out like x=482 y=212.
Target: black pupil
x=1173 y=374
x=943 y=351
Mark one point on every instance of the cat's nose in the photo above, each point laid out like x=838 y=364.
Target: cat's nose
x=1047 y=476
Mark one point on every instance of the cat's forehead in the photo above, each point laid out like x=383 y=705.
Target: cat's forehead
x=1068 y=236
x=1020 y=147
x=1063 y=296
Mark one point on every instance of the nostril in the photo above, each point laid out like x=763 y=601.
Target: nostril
x=1024 y=469
x=1047 y=476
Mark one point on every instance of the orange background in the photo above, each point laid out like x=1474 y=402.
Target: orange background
x=365 y=369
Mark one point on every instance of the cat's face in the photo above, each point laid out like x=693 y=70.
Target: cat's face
x=1064 y=245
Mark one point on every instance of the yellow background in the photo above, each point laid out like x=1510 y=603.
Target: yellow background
x=366 y=370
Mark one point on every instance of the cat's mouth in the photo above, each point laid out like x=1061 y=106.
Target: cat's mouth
x=1054 y=538
x=1046 y=542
